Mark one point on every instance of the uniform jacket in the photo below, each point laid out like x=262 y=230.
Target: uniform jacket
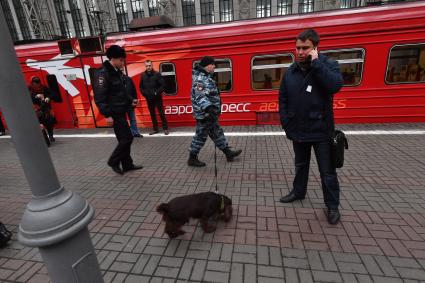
x=151 y=84
x=306 y=100
x=110 y=92
x=205 y=93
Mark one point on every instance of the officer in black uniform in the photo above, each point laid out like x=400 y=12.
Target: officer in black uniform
x=114 y=101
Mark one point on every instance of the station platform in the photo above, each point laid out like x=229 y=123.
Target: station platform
x=380 y=238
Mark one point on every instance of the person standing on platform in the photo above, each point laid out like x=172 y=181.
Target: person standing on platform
x=152 y=87
x=2 y=129
x=114 y=101
x=206 y=103
x=41 y=99
x=306 y=113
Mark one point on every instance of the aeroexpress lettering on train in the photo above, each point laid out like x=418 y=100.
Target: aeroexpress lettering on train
x=187 y=109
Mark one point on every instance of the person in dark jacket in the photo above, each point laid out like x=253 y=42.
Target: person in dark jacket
x=41 y=100
x=306 y=113
x=152 y=87
x=206 y=103
x=114 y=101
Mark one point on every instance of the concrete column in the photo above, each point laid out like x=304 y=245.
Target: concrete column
x=274 y=8
x=216 y=11
x=15 y=20
x=129 y=11
x=179 y=16
x=54 y=16
x=235 y=10
x=69 y=18
x=295 y=7
x=55 y=220
x=84 y=16
x=252 y=9
x=146 y=8
x=198 y=12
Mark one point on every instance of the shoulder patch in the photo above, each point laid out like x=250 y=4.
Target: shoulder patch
x=200 y=86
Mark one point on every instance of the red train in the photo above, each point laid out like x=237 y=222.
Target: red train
x=381 y=51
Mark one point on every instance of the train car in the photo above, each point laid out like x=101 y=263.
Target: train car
x=381 y=52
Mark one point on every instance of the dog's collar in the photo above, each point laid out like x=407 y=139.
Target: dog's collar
x=222 y=203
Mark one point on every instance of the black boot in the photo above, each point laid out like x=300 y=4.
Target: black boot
x=230 y=154
x=194 y=161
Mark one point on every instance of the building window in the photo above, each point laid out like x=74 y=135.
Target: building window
x=351 y=63
x=63 y=22
x=121 y=11
x=263 y=8
x=9 y=19
x=137 y=8
x=189 y=17
x=406 y=64
x=168 y=72
x=305 y=6
x=20 y=14
x=74 y=5
x=267 y=71
x=153 y=8
x=284 y=7
x=207 y=11
x=226 y=10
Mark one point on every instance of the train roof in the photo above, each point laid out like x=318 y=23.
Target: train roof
x=288 y=25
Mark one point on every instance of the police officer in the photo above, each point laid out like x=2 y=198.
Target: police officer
x=206 y=103
x=306 y=113
x=114 y=101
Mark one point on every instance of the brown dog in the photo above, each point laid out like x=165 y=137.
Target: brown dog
x=202 y=206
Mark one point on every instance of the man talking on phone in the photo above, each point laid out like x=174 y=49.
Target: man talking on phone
x=306 y=113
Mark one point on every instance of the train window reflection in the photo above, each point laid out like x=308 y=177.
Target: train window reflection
x=222 y=74
x=267 y=71
x=350 y=63
x=168 y=72
x=406 y=64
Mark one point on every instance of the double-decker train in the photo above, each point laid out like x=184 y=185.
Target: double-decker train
x=380 y=50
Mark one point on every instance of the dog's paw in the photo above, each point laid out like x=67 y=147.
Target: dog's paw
x=209 y=229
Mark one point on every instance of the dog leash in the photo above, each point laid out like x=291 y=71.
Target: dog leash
x=215 y=168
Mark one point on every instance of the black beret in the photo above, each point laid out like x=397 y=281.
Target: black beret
x=205 y=61
x=115 y=51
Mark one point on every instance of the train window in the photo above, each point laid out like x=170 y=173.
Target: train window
x=406 y=64
x=168 y=72
x=350 y=63
x=222 y=74
x=267 y=71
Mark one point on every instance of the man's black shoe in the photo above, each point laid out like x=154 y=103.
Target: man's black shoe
x=290 y=198
x=230 y=154
x=333 y=216
x=117 y=169
x=194 y=161
x=138 y=136
x=132 y=168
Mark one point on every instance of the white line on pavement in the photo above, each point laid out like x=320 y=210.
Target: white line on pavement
x=245 y=134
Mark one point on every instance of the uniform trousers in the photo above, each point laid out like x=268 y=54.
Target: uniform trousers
x=204 y=128
x=121 y=153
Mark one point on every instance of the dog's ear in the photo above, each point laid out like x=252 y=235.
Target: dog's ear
x=162 y=208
